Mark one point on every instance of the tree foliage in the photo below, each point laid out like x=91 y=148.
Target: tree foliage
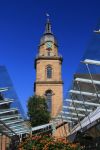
x=37 y=111
x=47 y=142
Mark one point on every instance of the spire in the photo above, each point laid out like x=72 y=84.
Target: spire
x=48 y=35
x=48 y=25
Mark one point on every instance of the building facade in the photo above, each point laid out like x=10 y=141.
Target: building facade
x=48 y=65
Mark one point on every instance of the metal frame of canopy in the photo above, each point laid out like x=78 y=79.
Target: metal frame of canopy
x=75 y=104
x=6 y=128
x=87 y=81
x=20 y=129
x=84 y=93
x=8 y=117
x=6 y=101
x=22 y=132
x=11 y=119
x=41 y=127
x=72 y=113
x=78 y=109
x=14 y=126
x=4 y=89
x=81 y=102
x=66 y=117
x=95 y=115
x=59 y=119
x=4 y=111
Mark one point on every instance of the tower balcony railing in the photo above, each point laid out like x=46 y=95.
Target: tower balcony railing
x=48 y=55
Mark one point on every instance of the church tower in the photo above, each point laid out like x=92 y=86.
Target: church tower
x=48 y=71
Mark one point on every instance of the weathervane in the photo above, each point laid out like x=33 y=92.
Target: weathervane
x=47 y=15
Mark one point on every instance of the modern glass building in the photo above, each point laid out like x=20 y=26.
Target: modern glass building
x=13 y=123
x=81 y=108
x=5 y=81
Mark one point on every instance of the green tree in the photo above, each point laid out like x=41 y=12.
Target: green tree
x=37 y=111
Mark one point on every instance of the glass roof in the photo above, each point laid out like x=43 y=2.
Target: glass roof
x=83 y=96
x=11 y=120
x=12 y=116
x=5 y=81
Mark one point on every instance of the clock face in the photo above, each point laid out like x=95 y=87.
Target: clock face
x=49 y=44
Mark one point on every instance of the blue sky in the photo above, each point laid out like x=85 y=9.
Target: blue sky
x=22 y=25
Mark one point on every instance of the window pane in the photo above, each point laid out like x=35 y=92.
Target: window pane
x=49 y=72
x=49 y=99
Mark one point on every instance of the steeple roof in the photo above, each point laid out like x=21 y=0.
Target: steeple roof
x=48 y=34
x=48 y=27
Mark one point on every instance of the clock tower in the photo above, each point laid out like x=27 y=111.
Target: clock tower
x=48 y=71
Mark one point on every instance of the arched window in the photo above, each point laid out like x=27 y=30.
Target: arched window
x=49 y=99
x=49 y=72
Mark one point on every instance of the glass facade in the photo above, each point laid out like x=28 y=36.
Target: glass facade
x=12 y=116
x=5 y=81
x=82 y=105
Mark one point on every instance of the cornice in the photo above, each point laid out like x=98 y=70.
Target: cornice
x=47 y=58
x=49 y=82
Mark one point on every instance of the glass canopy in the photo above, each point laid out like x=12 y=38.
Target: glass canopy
x=82 y=104
x=12 y=116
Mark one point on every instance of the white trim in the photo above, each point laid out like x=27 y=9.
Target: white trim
x=93 y=62
x=73 y=113
x=8 y=110
x=64 y=120
x=22 y=132
x=87 y=81
x=4 y=89
x=5 y=101
x=81 y=102
x=20 y=129
x=13 y=122
x=7 y=117
x=84 y=93
x=65 y=117
x=41 y=127
x=21 y=124
x=79 y=109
